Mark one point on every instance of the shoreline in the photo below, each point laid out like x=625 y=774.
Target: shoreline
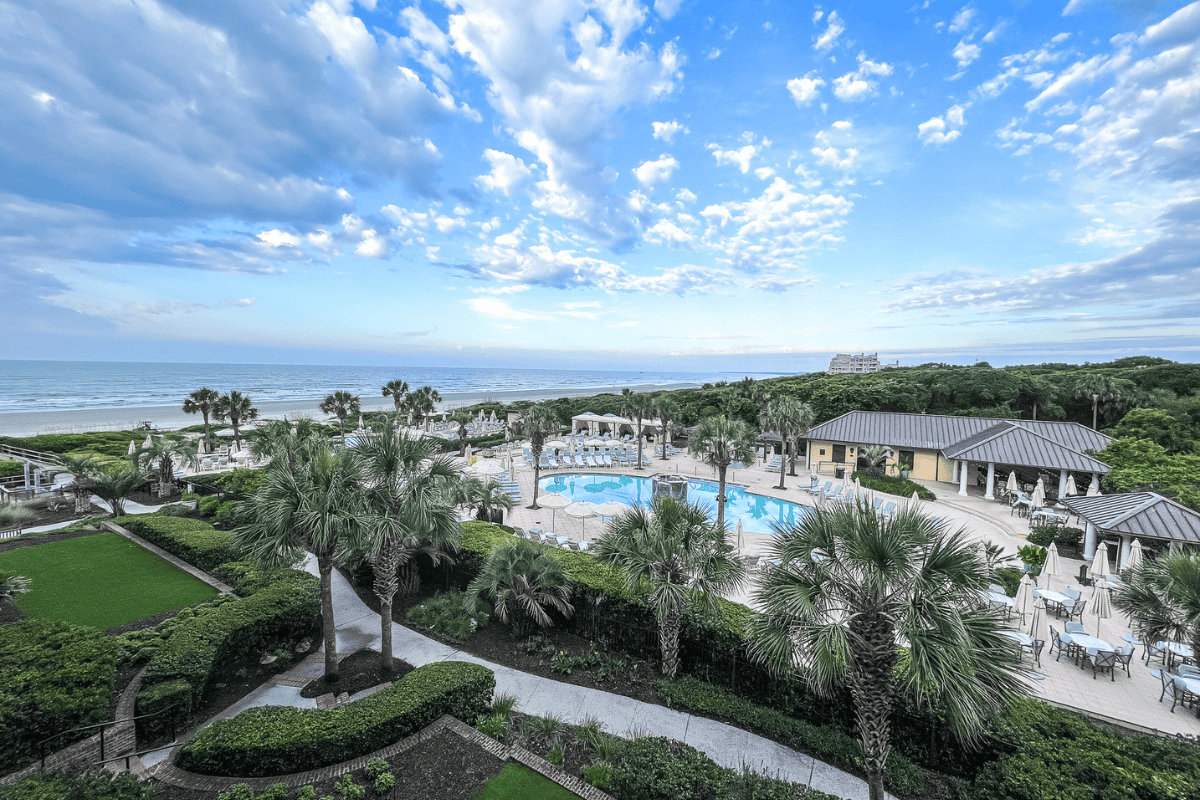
x=171 y=417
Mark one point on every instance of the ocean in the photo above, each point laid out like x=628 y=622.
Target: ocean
x=62 y=396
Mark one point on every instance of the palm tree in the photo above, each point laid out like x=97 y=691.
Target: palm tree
x=719 y=442
x=784 y=416
x=318 y=508
x=82 y=467
x=803 y=417
x=876 y=457
x=236 y=408
x=523 y=583
x=636 y=406
x=397 y=390
x=1109 y=396
x=409 y=484
x=538 y=422
x=114 y=485
x=668 y=412
x=486 y=498
x=462 y=418
x=422 y=402
x=341 y=404
x=290 y=442
x=852 y=589
x=12 y=585
x=161 y=454
x=675 y=548
x=202 y=401
x=1163 y=599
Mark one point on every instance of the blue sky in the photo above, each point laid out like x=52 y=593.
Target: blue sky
x=747 y=185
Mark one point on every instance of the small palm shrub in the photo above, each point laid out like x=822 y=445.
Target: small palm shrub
x=524 y=585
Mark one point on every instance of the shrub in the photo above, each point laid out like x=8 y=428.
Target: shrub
x=114 y=444
x=273 y=740
x=208 y=505
x=240 y=482
x=375 y=767
x=384 y=783
x=447 y=614
x=1069 y=537
x=1056 y=755
x=175 y=510
x=176 y=695
x=1010 y=579
x=226 y=514
x=54 y=676
x=9 y=469
x=196 y=542
x=892 y=485
x=1042 y=535
x=281 y=606
x=61 y=786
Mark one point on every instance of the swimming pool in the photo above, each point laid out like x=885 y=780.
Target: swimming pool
x=755 y=511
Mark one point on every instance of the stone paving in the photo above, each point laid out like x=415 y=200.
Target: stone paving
x=1131 y=701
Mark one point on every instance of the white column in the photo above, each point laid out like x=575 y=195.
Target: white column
x=991 y=484
x=1062 y=484
x=954 y=472
x=1123 y=556
x=962 y=478
x=1095 y=480
x=1089 y=542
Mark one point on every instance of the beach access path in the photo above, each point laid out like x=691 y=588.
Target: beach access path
x=358 y=627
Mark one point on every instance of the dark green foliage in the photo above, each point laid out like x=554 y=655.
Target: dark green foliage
x=889 y=484
x=826 y=742
x=1043 y=535
x=226 y=515
x=1056 y=755
x=273 y=740
x=196 y=542
x=175 y=695
x=1141 y=465
x=240 y=482
x=447 y=613
x=283 y=608
x=106 y=443
x=54 y=676
x=1010 y=579
x=9 y=469
x=656 y=768
x=208 y=505
x=61 y=786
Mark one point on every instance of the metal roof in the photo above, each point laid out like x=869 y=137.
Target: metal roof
x=1035 y=443
x=1013 y=444
x=1139 y=514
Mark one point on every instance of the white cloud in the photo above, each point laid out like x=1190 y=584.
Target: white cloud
x=942 y=129
x=666 y=232
x=667 y=8
x=666 y=131
x=245 y=301
x=832 y=157
x=685 y=196
x=805 y=90
x=834 y=29
x=713 y=52
x=740 y=157
x=495 y=307
x=762 y=173
x=508 y=172
x=655 y=173
x=857 y=85
x=962 y=20
x=278 y=238
x=965 y=53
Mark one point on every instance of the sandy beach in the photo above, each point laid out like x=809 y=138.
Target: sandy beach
x=30 y=423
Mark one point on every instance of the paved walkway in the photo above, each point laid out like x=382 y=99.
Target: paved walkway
x=358 y=627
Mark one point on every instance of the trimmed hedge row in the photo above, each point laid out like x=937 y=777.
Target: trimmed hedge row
x=827 y=742
x=54 y=676
x=280 y=606
x=9 y=469
x=61 y=786
x=275 y=740
x=890 y=484
x=196 y=542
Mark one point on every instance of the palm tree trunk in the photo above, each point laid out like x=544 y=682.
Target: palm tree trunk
x=83 y=499
x=207 y=434
x=664 y=440
x=639 y=435
x=791 y=459
x=721 y=496
x=537 y=471
x=328 y=628
x=872 y=687
x=668 y=634
x=782 y=459
x=385 y=632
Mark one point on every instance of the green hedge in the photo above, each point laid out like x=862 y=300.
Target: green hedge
x=10 y=469
x=1057 y=755
x=238 y=482
x=1043 y=535
x=1010 y=579
x=889 y=484
x=275 y=740
x=61 y=786
x=281 y=606
x=826 y=742
x=196 y=542
x=54 y=676
x=657 y=768
x=107 y=443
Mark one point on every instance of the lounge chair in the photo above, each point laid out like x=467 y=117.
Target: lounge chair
x=608 y=462
x=775 y=465
x=583 y=546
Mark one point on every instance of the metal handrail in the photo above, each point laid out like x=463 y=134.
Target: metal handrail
x=29 y=455
x=135 y=754
x=101 y=725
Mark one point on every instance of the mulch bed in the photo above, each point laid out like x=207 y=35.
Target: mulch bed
x=42 y=516
x=442 y=768
x=497 y=644
x=357 y=671
x=44 y=538
x=152 y=499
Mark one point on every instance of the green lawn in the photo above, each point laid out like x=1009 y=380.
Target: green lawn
x=102 y=580
x=519 y=782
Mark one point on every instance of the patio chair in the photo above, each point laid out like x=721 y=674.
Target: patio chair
x=1034 y=649
x=1074 y=627
x=583 y=546
x=1154 y=651
x=1124 y=656
x=1056 y=643
x=1076 y=609
x=996 y=588
x=1180 y=696
x=1100 y=660
x=1072 y=593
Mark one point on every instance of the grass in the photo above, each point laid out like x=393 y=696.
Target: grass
x=517 y=782
x=103 y=581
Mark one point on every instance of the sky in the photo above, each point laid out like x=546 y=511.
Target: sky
x=619 y=184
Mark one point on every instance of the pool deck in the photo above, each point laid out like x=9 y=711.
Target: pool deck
x=1129 y=701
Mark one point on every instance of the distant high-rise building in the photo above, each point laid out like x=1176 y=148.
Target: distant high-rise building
x=844 y=363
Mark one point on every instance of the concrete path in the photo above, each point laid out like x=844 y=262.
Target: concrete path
x=358 y=627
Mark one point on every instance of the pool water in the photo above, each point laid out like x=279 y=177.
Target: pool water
x=755 y=511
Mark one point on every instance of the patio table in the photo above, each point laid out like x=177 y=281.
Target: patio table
x=1018 y=636
x=1181 y=649
x=1055 y=601
x=1083 y=642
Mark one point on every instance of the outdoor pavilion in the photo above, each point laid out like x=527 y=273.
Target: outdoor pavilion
x=597 y=424
x=1133 y=515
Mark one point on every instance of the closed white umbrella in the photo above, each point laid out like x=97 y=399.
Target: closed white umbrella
x=1136 y=557
x=467 y=453
x=146 y=444
x=581 y=511
x=1039 y=495
x=132 y=447
x=1094 y=488
x=914 y=502
x=1100 y=562
x=1051 y=567
x=1039 y=613
x=554 y=502
x=1024 y=595
x=1071 y=490
x=1011 y=486
x=492 y=418
x=739 y=534
x=1101 y=603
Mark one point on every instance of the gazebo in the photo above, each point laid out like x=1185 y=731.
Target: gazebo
x=1133 y=515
